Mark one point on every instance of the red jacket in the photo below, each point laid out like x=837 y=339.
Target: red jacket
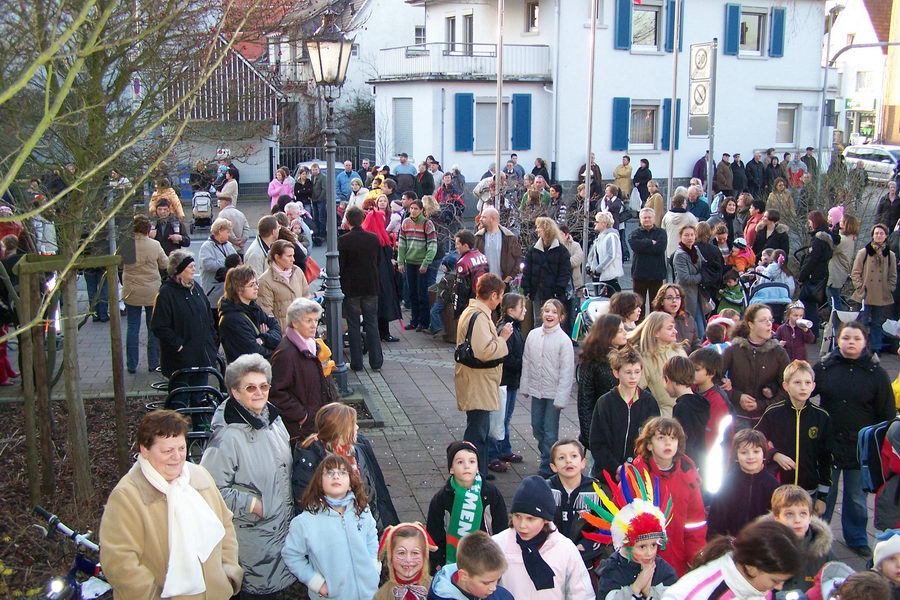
x=687 y=530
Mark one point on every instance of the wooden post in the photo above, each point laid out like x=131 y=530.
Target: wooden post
x=27 y=366
x=42 y=377
x=115 y=340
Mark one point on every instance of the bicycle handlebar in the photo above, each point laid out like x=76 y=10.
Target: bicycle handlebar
x=54 y=522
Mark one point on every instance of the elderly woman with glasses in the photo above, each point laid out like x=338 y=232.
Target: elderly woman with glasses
x=244 y=327
x=249 y=457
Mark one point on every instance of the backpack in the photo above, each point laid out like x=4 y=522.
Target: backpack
x=868 y=450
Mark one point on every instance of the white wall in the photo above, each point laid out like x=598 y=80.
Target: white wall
x=250 y=156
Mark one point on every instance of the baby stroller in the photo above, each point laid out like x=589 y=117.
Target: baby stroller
x=201 y=210
x=594 y=306
x=833 y=323
x=775 y=294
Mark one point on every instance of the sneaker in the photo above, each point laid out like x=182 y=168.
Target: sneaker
x=430 y=331
x=511 y=458
x=498 y=466
x=863 y=551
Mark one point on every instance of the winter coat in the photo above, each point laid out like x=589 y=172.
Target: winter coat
x=548 y=365
x=815 y=266
x=140 y=279
x=568 y=519
x=595 y=378
x=756 y=175
x=751 y=369
x=857 y=393
x=779 y=239
x=303 y=191
x=750 y=228
x=211 y=258
x=494 y=518
x=874 y=276
x=479 y=389
x=515 y=345
x=299 y=388
x=166 y=227
x=795 y=340
x=443 y=588
x=174 y=202
x=424 y=184
x=183 y=323
x=250 y=460
x=615 y=426
x=783 y=202
x=613 y=206
x=570 y=577
x=134 y=539
x=257 y=255
x=510 y=251
x=576 y=259
x=841 y=262
x=687 y=529
x=318 y=189
x=358 y=254
x=741 y=499
x=622 y=176
x=738 y=177
x=649 y=259
x=687 y=336
x=687 y=275
x=342 y=184
x=278 y=189
x=651 y=374
x=888 y=212
x=816 y=548
x=805 y=437
x=735 y=225
x=704 y=582
x=641 y=178
x=306 y=460
x=604 y=260
x=672 y=222
x=617 y=573
x=276 y=293
x=699 y=209
x=724 y=179
x=547 y=271
x=659 y=209
x=693 y=412
x=239 y=328
x=340 y=550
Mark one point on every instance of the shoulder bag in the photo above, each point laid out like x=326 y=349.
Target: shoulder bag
x=466 y=357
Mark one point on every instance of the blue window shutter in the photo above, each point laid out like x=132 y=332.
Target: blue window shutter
x=465 y=122
x=621 y=121
x=666 y=122
x=670 y=25
x=732 y=29
x=521 y=121
x=776 y=32
x=623 y=25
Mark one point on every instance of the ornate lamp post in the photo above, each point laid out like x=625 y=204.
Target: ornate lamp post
x=329 y=55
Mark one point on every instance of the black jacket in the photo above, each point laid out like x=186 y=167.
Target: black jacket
x=615 y=427
x=773 y=172
x=738 y=176
x=888 y=212
x=165 y=228
x=815 y=265
x=649 y=260
x=692 y=411
x=617 y=572
x=494 y=518
x=547 y=272
x=807 y=442
x=183 y=322
x=741 y=499
x=303 y=191
x=779 y=239
x=358 y=254
x=515 y=346
x=424 y=185
x=595 y=378
x=756 y=175
x=640 y=180
x=856 y=393
x=568 y=519
x=239 y=328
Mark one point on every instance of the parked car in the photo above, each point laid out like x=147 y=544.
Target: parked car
x=323 y=167
x=879 y=161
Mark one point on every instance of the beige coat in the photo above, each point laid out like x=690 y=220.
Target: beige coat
x=622 y=174
x=479 y=389
x=276 y=293
x=652 y=378
x=874 y=277
x=141 y=280
x=134 y=540
x=174 y=202
x=576 y=259
x=655 y=201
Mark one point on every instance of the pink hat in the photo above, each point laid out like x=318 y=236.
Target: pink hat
x=836 y=213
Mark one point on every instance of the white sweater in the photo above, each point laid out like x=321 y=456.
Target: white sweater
x=548 y=365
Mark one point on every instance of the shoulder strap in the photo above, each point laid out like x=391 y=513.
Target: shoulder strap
x=471 y=327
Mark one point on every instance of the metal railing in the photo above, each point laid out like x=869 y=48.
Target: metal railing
x=291 y=156
x=449 y=59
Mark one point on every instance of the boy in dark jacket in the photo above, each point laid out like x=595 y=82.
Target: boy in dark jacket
x=746 y=491
x=512 y=310
x=464 y=504
x=691 y=410
x=619 y=415
x=799 y=434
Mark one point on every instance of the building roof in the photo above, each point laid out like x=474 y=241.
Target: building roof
x=880 y=15
x=307 y=15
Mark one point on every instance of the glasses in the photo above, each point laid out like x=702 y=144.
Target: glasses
x=252 y=389
x=671 y=298
x=337 y=473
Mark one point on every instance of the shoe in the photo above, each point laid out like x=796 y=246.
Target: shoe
x=489 y=477
x=420 y=329
x=511 y=458
x=389 y=338
x=430 y=331
x=498 y=466
x=7 y=383
x=132 y=371
x=103 y=319
x=352 y=368
x=862 y=551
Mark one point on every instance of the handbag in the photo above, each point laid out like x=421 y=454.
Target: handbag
x=312 y=270
x=464 y=354
x=497 y=429
x=814 y=292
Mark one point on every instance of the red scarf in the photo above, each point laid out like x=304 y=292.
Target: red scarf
x=692 y=251
x=410 y=589
x=374 y=223
x=347 y=452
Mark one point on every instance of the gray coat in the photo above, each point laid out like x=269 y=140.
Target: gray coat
x=212 y=258
x=687 y=275
x=250 y=458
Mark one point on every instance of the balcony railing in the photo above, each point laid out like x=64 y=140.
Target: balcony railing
x=446 y=60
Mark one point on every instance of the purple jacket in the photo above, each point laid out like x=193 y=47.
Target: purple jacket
x=795 y=340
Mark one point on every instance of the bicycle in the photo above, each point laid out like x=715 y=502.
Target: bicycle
x=73 y=586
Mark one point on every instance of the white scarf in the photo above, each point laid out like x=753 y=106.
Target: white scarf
x=194 y=531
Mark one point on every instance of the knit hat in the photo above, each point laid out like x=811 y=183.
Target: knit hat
x=836 y=213
x=740 y=243
x=888 y=545
x=455 y=447
x=534 y=497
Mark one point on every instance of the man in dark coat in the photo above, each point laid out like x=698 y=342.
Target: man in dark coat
x=738 y=175
x=318 y=203
x=648 y=267
x=701 y=168
x=756 y=176
x=168 y=230
x=358 y=253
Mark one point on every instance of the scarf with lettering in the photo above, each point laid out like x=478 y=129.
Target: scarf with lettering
x=465 y=516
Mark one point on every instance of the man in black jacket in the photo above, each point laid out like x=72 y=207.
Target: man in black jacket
x=318 y=203
x=756 y=176
x=358 y=252
x=168 y=230
x=738 y=175
x=648 y=268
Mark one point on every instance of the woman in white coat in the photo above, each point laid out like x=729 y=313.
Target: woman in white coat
x=605 y=256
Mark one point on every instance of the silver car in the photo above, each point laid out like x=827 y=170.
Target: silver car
x=879 y=161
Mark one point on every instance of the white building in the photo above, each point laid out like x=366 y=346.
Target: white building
x=439 y=97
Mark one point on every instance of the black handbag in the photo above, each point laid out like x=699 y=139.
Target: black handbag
x=813 y=292
x=466 y=357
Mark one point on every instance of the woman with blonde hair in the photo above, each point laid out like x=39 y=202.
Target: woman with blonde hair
x=655 y=201
x=655 y=340
x=548 y=270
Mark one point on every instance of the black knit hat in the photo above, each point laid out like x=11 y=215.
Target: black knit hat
x=534 y=497
x=455 y=447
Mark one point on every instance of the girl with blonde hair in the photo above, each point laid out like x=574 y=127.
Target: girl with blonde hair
x=548 y=271
x=655 y=340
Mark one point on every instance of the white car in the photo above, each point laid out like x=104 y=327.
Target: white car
x=879 y=161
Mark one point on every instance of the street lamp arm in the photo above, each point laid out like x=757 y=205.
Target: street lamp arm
x=855 y=46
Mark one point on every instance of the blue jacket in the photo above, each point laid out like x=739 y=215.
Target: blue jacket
x=340 y=550
x=342 y=184
x=443 y=588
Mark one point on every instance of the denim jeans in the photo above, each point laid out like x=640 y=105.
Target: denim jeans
x=133 y=336
x=498 y=448
x=478 y=424
x=854 y=514
x=98 y=295
x=437 y=321
x=874 y=317
x=319 y=216
x=367 y=308
x=834 y=294
x=418 y=296
x=545 y=427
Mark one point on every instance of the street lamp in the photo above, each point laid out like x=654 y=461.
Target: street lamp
x=329 y=56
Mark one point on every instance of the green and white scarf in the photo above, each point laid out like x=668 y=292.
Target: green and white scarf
x=465 y=516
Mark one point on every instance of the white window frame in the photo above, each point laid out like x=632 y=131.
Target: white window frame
x=450 y=33
x=763 y=15
x=868 y=79
x=419 y=35
x=532 y=16
x=655 y=105
x=655 y=6
x=796 y=107
x=468 y=33
x=506 y=142
x=354 y=50
x=601 y=24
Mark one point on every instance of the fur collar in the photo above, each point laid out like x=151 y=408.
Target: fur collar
x=767 y=346
x=819 y=537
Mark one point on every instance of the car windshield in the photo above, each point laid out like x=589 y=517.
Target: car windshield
x=895 y=154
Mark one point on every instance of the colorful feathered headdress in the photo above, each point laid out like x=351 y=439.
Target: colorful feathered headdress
x=635 y=513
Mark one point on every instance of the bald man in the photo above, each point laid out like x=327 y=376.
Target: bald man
x=499 y=244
